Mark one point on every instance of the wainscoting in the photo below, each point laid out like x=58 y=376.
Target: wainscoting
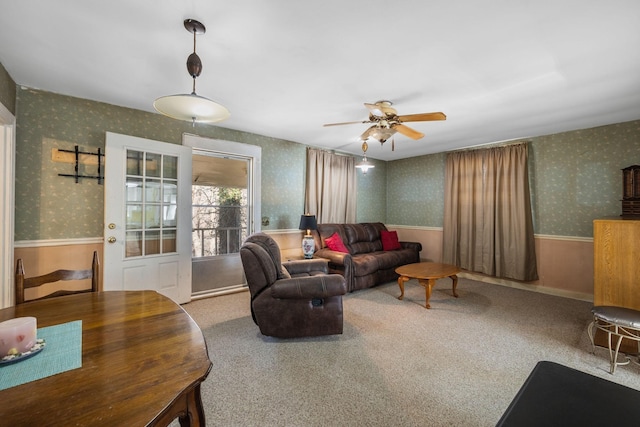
x=565 y=263
x=44 y=256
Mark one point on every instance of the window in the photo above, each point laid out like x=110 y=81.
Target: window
x=219 y=220
x=151 y=203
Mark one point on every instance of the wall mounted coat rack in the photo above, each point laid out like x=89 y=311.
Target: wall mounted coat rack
x=76 y=156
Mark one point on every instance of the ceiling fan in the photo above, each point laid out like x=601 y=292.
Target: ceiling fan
x=386 y=122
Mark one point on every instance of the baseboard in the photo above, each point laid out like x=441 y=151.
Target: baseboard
x=526 y=286
x=219 y=292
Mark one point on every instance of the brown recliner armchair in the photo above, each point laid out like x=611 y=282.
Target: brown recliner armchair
x=294 y=299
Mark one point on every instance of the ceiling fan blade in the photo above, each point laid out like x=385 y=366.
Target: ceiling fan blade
x=407 y=131
x=423 y=117
x=347 y=123
x=381 y=109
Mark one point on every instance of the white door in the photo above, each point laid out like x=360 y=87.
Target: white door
x=147 y=216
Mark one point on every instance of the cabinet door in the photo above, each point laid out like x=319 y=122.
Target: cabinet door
x=616 y=248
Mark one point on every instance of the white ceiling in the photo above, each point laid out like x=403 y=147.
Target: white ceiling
x=499 y=69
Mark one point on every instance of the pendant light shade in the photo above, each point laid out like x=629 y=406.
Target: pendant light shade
x=192 y=107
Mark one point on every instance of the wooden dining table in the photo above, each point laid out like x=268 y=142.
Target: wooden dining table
x=143 y=361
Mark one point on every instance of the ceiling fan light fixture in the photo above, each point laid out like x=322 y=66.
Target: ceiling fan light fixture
x=386 y=122
x=382 y=133
x=192 y=107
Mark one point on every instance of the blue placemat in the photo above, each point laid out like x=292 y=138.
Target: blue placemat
x=63 y=352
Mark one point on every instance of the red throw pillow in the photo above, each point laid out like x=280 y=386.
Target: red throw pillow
x=335 y=243
x=390 y=240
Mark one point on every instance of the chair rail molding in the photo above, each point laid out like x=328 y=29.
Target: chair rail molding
x=58 y=242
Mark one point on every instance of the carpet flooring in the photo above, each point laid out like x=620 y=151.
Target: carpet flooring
x=396 y=364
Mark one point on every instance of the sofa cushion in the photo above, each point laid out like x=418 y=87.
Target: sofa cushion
x=335 y=243
x=362 y=247
x=361 y=239
x=389 y=240
x=356 y=233
x=365 y=264
x=374 y=229
x=326 y=230
x=393 y=259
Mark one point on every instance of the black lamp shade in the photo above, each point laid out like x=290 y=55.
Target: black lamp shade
x=308 y=222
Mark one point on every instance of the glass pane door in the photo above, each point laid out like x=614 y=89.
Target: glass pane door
x=151 y=196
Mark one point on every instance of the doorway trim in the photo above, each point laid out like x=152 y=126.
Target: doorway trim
x=7 y=199
x=253 y=153
x=231 y=148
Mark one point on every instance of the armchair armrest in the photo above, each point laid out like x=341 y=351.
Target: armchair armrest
x=330 y=285
x=307 y=266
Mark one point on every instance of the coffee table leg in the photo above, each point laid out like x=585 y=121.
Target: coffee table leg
x=455 y=285
x=428 y=286
x=401 y=281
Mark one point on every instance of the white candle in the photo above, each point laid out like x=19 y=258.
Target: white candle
x=17 y=335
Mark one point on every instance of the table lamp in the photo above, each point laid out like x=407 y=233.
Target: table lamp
x=308 y=222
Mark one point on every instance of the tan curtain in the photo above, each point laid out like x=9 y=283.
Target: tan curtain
x=487 y=213
x=331 y=187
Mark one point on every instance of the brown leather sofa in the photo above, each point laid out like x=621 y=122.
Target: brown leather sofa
x=366 y=264
x=291 y=299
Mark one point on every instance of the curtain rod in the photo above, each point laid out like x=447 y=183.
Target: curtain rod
x=331 y=151
x=490 y=145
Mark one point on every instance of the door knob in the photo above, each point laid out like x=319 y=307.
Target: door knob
x=111 y=239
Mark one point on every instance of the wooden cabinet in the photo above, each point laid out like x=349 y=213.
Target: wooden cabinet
x=616 y=280
x=631 y=192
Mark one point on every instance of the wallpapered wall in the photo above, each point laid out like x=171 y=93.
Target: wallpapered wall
x=417 y=195
x=575 y=177
x=372 y=193
x=53 y=207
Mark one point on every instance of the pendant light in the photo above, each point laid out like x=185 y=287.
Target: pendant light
x=192 y=107
x=364 y=165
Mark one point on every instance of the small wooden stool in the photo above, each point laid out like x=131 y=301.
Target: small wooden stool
x=615 y=321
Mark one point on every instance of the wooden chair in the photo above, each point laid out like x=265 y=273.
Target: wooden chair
x=23 y=283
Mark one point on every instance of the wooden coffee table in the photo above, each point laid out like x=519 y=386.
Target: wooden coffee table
x=427 y=273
